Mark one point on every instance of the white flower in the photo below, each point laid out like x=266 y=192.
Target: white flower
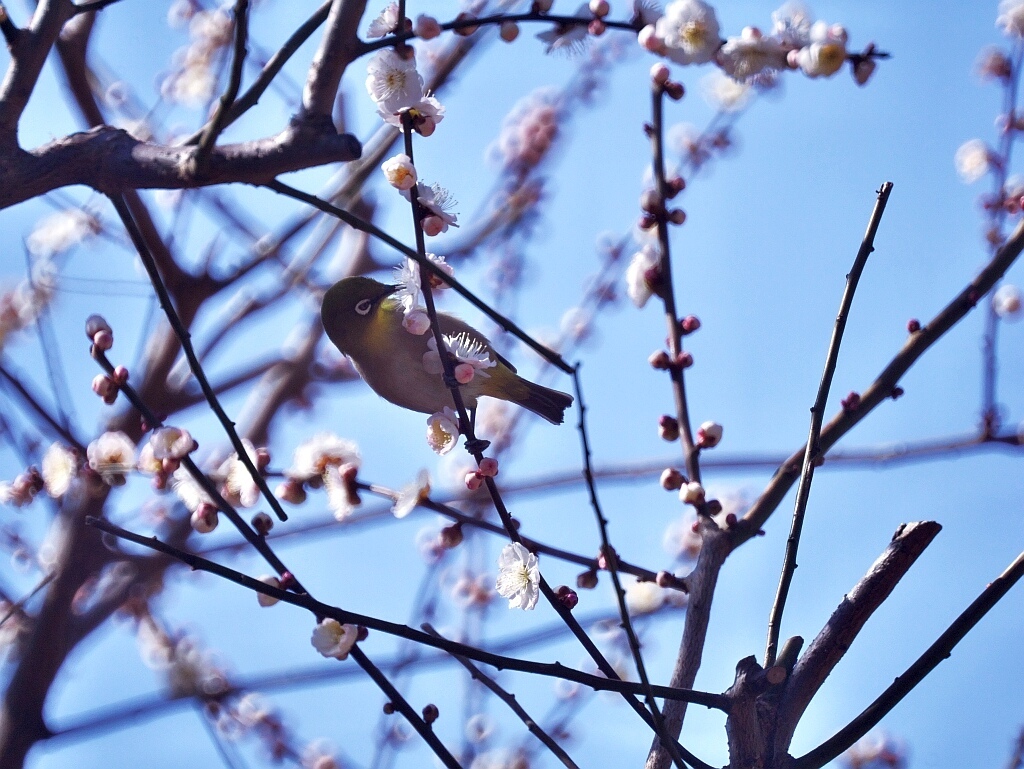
x=323 y=450
x=60 y=231
x=332 y=639
x=438 y=202
x=238 y=480
x=644 y=597
x=409 y=294
x=638 y=285
x=170 y=443
x=393 y=82
x=1011 y=17
x=59 y=468
x=724 y=93
x=692 y=493
x=188 y=490
x=689 y=29
x=112 y=455
x=443 y=431
x=1006 y=302
x=264 y=599
x=400 y=172
x=341 y=495
x=709 y=435
x=791 y=25
x=385 y=23
x=518 y=576
x=751 y=54
x=972 y=160
x=826 y=53
x=464 y=349
x=411 y=495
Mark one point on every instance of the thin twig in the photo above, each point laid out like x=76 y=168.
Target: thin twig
x=513 y=704
x=34 y=404
x=186 y=344
x=18 y=606
x=926 y=663
x=813 y=449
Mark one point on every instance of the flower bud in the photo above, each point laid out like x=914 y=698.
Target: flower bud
x=120 y=375
x=689 y=324
x=567 y=597
x=674 y=90
x=714 y=507
x=709 y=434
x=488 y=467
x=674 y=186
x=264 y=599
x=660 y=73
x=650 y=202
x=649 y=40
x=291 y=491
x=103 y=385
x=851 y=402
x=897 y=392
x=262 y=524
x=388 y=708
x=430 y=713
x=508 y=31
x=659 y=360
x=426 y=27
x=913 y=325
x=692 y=493
x=666 y=579
x=451 y=536
x=204 y=519
x=103 y=341
x=668 y=428
x=432 y=225
x=684 y=360
x=474 y=480
x=464 y=373
x=672 y=479
x=677 y=216
x=96 y=323
x=597 y=27
x=600 y=8
x=465 y=31
x=586 y=580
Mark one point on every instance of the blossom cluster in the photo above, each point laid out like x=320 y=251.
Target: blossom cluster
x=396 y=87
x=194 y=79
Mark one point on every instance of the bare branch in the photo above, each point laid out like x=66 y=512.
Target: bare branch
x=338 y=47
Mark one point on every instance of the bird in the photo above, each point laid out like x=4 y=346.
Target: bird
x=363 y=318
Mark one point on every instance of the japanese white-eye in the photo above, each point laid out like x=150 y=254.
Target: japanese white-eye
x=364 y=320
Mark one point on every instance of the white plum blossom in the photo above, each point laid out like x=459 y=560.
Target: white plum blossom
x=341 y=497
x=791 y=25
x=263 y=599
x=690 y=32
x=385 y=23
x=1006 y=302
x=411 y=495
x=393 y=82
x=518 y=576
x=238 y=480
x=399 y=171
x=724 y=93
x=638 y=286
x=188 y=490
x=644 y=597
x=465 y=350
x=58 y=232
x=570 y=38
x=416 y=322
x=826 y=53
x=681 y=541
x=332 y=639
x=443 y=431
x=312 y=458
x=751 y=55
x=60 y=465
x=112 y=455
x=166 y=443
x=1011 y=17
x=972 y=160
x=437 y=202
x=410 y=295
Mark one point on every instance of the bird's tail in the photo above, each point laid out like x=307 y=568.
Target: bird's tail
x=543 y=401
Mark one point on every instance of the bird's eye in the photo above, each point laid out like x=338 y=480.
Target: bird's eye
x=363 y=306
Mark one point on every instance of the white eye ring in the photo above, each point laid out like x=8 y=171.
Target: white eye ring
x=363 y=306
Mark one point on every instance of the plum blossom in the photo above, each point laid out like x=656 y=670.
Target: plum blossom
x=644 y=597
x=412 y=494
x=397 y=87
x=466 y=350
x=165 y=447
x=569 y=37
x=1006 y=302
x=342 y=495
x=399 y=171
x=518 y=576
x=751 y=55
x=61 y=231
x=410 y=295
x=1011 y=17
x=443 y=431
x=639 y=273
x=238 y=481
x=825 y=54
x=437 y=203
x=689 y=30
x=324 y=450
x=791 y=25
x=188 y=490
x=385 y=23
x=332 y=639
x=724 y=93
x=972 y=160
x=60 y=465
x=112 y=455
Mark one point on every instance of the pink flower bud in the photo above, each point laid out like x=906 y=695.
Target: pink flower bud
x=272 y=581
x=542 y=6
x=586 y=580
x=508 y=31
x=650 y=202
x=103 y=340
x=896 y=393
x=474 y=480
x=659 y=360
x=204 y=519
x=488 y=467
x=432 y=225
x=291 y=491
x=262 y=458
x=660 y=73
x=689 y=324
x=451 y=536
x=567 y=597
x=674 y=186
x=851 y=402
x=600 y=8
x=684 y=360
x=425 y=126
x=677 y=216
x=121 y=375
x=672 y=479
x=102 y=384
x=668 y=428
x=169 y=464
x=94 y=324
x=666 y=579
x=709 y=435
x=427 y=27
x=646 y=221
x=692 y=493
x=913 y=325
x=464 y=373
x=467 y=30
x=597 y=27
x=262 y=524
x=649 y=40
x=674 y=90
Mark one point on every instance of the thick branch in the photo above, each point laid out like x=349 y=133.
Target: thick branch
x=339 y=46
x=835 y=638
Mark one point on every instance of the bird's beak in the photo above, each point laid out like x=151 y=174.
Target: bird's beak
x=386 y=292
